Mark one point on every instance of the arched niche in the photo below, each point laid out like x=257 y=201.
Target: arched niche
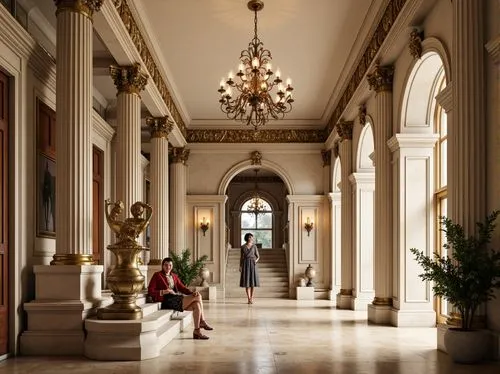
x=365 y=148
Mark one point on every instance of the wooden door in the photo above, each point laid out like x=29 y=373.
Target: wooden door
x=4 y=213
x=97 y=205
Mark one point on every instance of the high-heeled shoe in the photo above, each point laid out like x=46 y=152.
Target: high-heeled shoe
x=206 y=326
x=197 y=335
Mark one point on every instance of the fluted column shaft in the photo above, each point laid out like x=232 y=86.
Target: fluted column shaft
x=129 y=82
x=381 y=81
x=178 y=198
x=73 y=132
x=160 y=128
x=467 y=135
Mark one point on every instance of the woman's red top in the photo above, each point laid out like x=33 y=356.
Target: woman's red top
x=159 y=282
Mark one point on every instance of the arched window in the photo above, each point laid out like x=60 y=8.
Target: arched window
x=441 y=190
x=259 y=224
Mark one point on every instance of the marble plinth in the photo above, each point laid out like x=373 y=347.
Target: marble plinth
x=305 y=293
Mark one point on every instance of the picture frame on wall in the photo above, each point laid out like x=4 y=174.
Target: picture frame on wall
x=46 y=196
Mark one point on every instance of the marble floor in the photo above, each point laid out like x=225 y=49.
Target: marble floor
x=278 y=336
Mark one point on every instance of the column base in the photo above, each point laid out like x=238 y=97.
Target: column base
x=361 y=301
x=344 y=301
x=73 y=259
x=379 y=314
x=207 y=293
x=413 y=318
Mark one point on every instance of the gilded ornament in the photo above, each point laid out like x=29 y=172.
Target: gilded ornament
x=73 y=259
x=381 y=78
x=148 y=60
x=391 y=12
x=362 y=114
x=85 y=7
x=128 y=231
x=261 y=136
x=344 y=129
x=160 y=127
x=415 y=44
x=179 y=155
x=326 y=156
x=128 y=79
x=256 y=158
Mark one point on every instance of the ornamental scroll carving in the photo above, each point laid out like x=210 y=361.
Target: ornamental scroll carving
x=391 y=12
x=415 y=44
x=362 y=114
x=256 y=158
x=160 y=127
x=128 y=79
x=381 y=78
x=344 y=129
x=150 y=64
x=261 y=136
x=179 y=155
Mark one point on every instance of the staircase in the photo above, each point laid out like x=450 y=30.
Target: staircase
x=273 y=274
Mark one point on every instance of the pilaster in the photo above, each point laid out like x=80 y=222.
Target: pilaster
x=336 y=245
x=178 y=188
x=380 y=80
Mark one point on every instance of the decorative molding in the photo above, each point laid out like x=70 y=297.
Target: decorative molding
x=261 y=136
x=128 y=79
x=362 y=115
x=344 y=129
x=101 y=127
x=445 y=98
x=399 y=141
x=146 y=56
x=245 y=179
x=256 y=158
x=326 y=156
x=391 y=12
x=415 y=43
x=85 y=7
x=381 y=78
x=179 y=155
x=160 y=127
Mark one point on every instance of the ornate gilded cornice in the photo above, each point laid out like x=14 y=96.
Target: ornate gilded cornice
x=415 y=43
x=160 y=127
x=381 y=78
x=384 y=26
x=261 y=136
x=256 y=158
x=85 y=7
x=146 y=56
x=326 y=156
x=128 y=79
x=362 y=114
x=179 y=155
x=344 y=128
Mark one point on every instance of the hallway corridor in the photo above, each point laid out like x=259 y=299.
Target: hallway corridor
x=278 y=336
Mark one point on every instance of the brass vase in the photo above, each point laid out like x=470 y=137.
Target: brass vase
x=125 y=280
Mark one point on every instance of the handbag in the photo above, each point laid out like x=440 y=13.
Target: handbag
x=174 y=302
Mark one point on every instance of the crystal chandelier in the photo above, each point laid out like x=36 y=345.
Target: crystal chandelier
x=253 y=104
x=256 y=206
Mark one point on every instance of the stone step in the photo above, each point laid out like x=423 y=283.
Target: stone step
x=149 y=308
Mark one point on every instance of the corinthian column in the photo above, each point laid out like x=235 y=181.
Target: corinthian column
x=158 y=170
x=130 y=82
x=178 y=186
x=381 y=81
x=344 y=298
x=73 y=132
x=467 y=135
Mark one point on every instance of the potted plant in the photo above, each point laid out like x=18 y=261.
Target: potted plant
x=467 y=279
x=186 y=269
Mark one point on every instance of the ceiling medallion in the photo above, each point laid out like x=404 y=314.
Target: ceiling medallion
x=253 y=104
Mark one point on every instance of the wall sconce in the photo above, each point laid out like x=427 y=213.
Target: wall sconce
x=308 y=226
x=204 y=225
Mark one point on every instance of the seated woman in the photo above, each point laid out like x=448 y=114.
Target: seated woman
x=164 y=285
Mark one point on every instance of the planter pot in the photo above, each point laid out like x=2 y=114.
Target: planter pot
x=466 y=347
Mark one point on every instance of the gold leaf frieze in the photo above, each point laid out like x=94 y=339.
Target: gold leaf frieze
x=261 y=136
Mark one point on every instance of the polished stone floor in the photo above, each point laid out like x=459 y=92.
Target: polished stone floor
x=279 y=336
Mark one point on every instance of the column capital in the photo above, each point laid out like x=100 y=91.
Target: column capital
x=179 y=155
x=344 y=129
x=326 y=155
x=85 y=7
x=362 y=115
x=381 y=78
x=128 y=79
x=160 y=127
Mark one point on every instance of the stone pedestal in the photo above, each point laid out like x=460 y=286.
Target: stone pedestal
x=305 y=293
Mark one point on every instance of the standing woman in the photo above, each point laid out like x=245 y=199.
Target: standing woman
x=248 y=259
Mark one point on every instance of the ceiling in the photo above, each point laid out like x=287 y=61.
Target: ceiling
x=199 y=41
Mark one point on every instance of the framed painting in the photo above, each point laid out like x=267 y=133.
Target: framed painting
x=46 y=196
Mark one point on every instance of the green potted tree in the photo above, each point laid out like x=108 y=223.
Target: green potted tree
x=186 y=269
x=467 y=279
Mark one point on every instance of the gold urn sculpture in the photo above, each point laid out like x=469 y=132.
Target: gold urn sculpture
x=125 y=280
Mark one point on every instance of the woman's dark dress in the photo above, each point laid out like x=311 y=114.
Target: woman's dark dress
x=249 y=275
